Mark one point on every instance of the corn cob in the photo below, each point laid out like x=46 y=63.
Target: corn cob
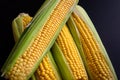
x=70 y=55
x=47 y=69
x=37 y=39
x=95 y=57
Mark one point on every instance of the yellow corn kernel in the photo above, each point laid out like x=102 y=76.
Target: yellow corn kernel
x=24 y=65
x=45 y=70
x=26 y=19
x=96 y=63
x=71 y=53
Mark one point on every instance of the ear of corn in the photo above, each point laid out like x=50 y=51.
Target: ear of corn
x=37 y=39
x=95 y=57
x=47 y=68
x=72 y=59
x=19 y=24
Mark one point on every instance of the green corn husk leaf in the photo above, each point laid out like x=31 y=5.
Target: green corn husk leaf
x=61 y=62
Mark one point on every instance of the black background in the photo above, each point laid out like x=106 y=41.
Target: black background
x=105 y=15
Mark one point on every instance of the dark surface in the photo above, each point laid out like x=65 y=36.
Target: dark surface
x=104 y=14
